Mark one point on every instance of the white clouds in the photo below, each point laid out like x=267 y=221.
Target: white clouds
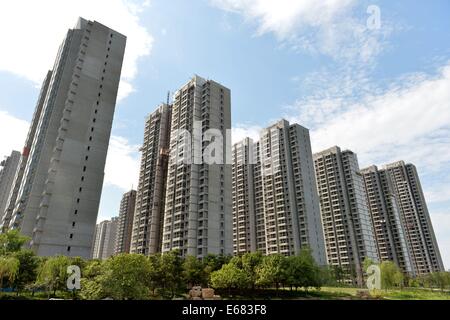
x=441 y=225
x=242 y=131
x=283 y=16
x=13 y=133
x=122 y=164
x=125 y=89
x=410 y=120
x=404 y=122
x=439 y=193
x=33 y=30
x=327 y=27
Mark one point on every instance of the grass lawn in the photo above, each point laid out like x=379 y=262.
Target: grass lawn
x=417 y=295
x=405 y=294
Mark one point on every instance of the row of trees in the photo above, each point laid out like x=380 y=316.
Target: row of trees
x=252 y=270
x=438 y=280
x=392 y=277
x=125 y=276
x=133 y=276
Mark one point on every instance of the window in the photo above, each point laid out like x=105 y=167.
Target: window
x=80 y=189
x=73 y=224
x=71 y=236
x=88 y=148
x=92 y=129
x=78 y=200
x=86 y=158
x=82 y=178
x=68 y=249
x=76 y=212
x=84 y=169
x=90 y=138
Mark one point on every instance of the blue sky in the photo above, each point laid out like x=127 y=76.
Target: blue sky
x=383 y=93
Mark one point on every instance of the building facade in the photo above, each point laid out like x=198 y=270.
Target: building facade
x=347 y=225
x=275 y=202
x=388 y=223
x=125 y=222
x=7 y=174
x=150 y=199
x=290 y=201
x=244 y=198
x=260 y=224
x=198 y=206
x=12 y=197
x=59 y=194
x=420 y=235
x=105 y=239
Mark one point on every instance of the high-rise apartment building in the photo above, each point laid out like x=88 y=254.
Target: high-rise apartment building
x=275 y=202
x=125 y=222
x=419 y=229
x=105 y=239
x=347 y=225
x=290 y=201
x=150 y=199
x=244 y=198
x=198 y=205
x=260 y=224
x=12 y=197
x=59 y=194
x=7 y=174
x=388 y=222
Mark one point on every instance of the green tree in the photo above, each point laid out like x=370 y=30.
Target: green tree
x=193 y=272
x=367 y=263
x=53 y=273
x=11 y=241
x=302 y=270
x=156 y=278
x=439 y=280
x=213 y=263
x=91 y=286
x=78 y=261
x=250 y=265
x=327 y=276
x=171 y=269
x=9 y=268
x=124 y=277
x=391 y=276
x=92 y=289
x=271 y=271
x=230 y=276
x=27 y=273
x=92 y=269
x=339 y=274
x=294 y=272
